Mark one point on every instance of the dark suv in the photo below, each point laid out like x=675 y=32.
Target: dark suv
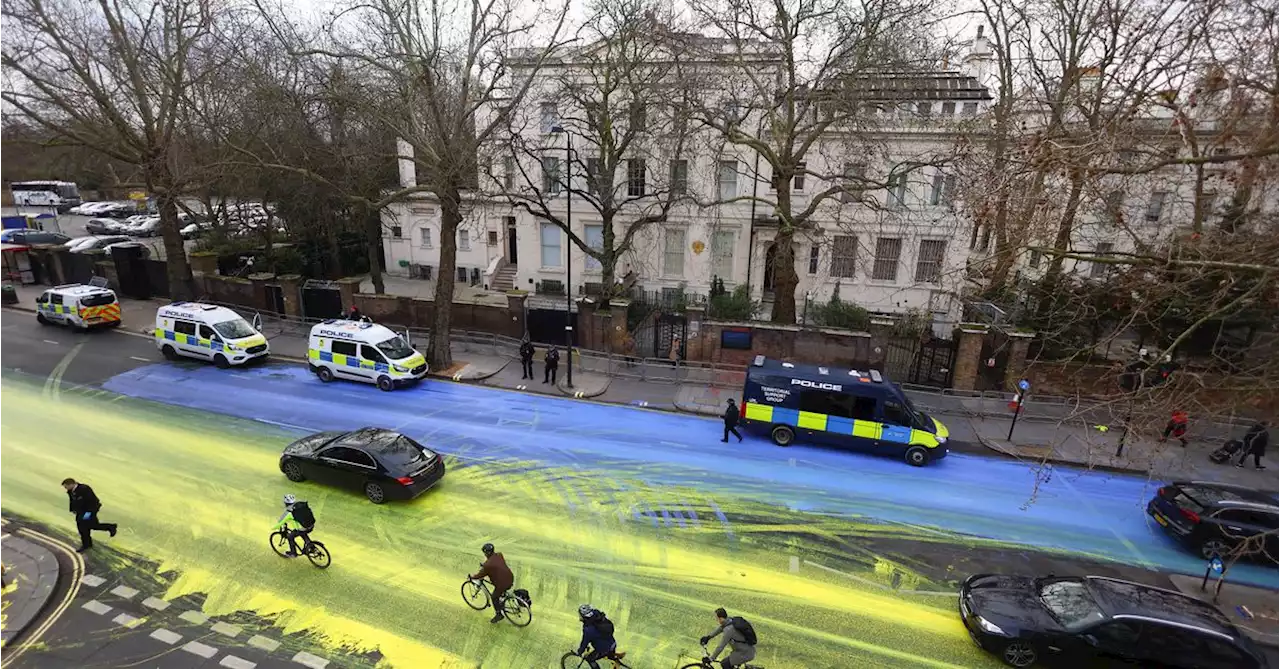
x=1214 y=518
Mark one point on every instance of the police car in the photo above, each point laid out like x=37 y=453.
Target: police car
x=79 y=306
x=841 y=407
x=208 y=332
x=363 y=351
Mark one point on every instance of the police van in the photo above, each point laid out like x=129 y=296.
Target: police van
x=841 y=407
x=208 y=332
x=79 y=306
x=363 y=351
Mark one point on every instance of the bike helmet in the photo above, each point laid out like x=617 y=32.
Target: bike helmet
x=587 y=612
x=289 y=500
x=487 y=549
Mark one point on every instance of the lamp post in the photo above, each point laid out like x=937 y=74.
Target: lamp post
x=568 y=253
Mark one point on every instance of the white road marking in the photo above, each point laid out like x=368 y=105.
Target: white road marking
x=284 y=425
x=139 y=358
x=936 y=593
x=236 y=663
x=226 y=629
x=96 y=606
x=126 y=620
x=795 y=564
x=124 y=592
x=308 y=660
x=50 y=341
x=92 y=581
x=157 y=604
x=197 y=648
x=166 y=636
x=263 y=643
x=194 y=617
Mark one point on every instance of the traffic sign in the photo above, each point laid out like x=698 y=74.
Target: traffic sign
x=1215 y=564
x=1024 y=385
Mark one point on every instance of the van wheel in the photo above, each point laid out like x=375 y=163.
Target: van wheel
x=783 y=435
x=385 y=384
x=324 y=374
x=917 y=457
x=168 y=352
x=41 y=319
x=221 y=361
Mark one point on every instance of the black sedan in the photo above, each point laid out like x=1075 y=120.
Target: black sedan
x=1097 y=621
x=381 y=463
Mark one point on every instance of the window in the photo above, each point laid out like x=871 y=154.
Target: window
x=673 y=253
x=722 y=254
x=843 y=253
x=897 y=190
x=888 y=249
x=462 y=275
x=370 y=353
x=679 y=177
x=935 y=194
x=593 y=235
x=828 y=403
x=814 y=252
x=350 y=456
x=948 y=109
x=1034 y=259
x=508 y=173
x=639 y=116
x=424 y=237
x=550 y=239
x=798 y=184
x=929 y=262
x=970 y=109
x=207 y=332
x=1099 y=269
x=550 y=116
x=396 y=232
x=1155 y=206
x=896 y=413
x=1114 y=202
x=593 y=175
x=464 y=241
x=1117 y=634
x=635 y=177
x=343 y=348
x=854 y=174
x=732 y=112
x=55 y=298
x=923 y=109
x=493 y=238
x=181 y=327
x=728 y=179
x=1223 y=653
x=551 y=175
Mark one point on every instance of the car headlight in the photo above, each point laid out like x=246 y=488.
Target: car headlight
x=988 y=626
x=942 y=440
x=402 y=370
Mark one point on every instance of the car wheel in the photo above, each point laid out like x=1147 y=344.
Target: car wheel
x=1212 y=547
x=324 y=374
x=293 y=472
x=375 y=493
x=221 y=361
x=917 y=456
x=783 y=435
x=1019 y=654
x=41 y=319
x=385 y=384
x=169 y=353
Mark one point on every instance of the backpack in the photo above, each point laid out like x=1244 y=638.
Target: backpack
x=745 y=629
x=303 y=516
x=605 y=627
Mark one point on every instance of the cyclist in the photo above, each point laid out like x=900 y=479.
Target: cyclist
x=296 y=521
x=736 y=631
x=597 y=632
x=495 y=567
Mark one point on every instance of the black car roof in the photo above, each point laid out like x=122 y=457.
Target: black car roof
x=1226 y=494
x=370 y=438
x=1117 y=597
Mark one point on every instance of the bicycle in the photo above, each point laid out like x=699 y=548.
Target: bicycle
x=314 y=550
x=707 y=663
x=566 y=663
x=478 y=594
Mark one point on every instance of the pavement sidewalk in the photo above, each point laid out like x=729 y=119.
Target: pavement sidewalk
x=1253 y=610
x=30 y=574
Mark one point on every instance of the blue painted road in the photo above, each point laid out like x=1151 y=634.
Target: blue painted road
x=1097 y=514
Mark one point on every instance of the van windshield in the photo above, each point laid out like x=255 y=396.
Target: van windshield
x=234 y=329
x=396 y=348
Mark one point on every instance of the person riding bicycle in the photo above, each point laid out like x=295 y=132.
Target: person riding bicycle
x=495 y=567
x=597 y=632
x=736 y=631
x=296 y=521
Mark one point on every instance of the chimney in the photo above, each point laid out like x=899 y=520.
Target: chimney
x=408 y=169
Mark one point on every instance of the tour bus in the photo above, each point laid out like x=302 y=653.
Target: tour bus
x=838 y=406
x=61 y=195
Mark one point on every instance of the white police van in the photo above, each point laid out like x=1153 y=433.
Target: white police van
x=208 y=332
x=363 y=351
x=79 y=306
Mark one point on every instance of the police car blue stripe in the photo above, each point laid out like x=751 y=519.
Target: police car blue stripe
x=895 y=433
x=839 y=425
x=786 y=416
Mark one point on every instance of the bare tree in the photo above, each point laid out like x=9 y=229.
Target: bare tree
x=118 y=77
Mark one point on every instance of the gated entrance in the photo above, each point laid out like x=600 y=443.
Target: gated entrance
x=546 y=326
x=275 y=298
x=923 y=363
x=669 y=330
x=321 y=299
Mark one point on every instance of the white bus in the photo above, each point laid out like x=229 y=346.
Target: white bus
x=62 y=195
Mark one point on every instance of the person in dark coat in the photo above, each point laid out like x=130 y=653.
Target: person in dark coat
x=731 y=421
x=526 y=359
x=1255 y=444
x=85 y=507
x=495 y=567
x=552 y=362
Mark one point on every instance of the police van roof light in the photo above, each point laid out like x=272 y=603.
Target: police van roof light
x=758 y=362
x=875 y=376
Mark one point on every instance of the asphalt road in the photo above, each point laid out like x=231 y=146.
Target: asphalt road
x=642 y=512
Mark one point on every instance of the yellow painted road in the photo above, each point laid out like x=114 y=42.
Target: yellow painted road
x=198 y=493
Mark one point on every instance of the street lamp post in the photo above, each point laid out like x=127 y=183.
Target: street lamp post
x=568 y=253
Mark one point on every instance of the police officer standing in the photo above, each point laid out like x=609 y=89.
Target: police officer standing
x=526 y=359
x=731 y=421
x=552 y=362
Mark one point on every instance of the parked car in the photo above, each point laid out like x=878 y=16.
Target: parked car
x=382 y=463
x=146 y=250
x=28 y=237
x=196 y=229
x=1084 y=622
x=92 y=242
x=102 y=226
x=91 y=208
x=1216 y=518
x=147 y=227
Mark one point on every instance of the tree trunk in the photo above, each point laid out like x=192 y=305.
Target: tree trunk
x=442 y=316
x=373 y=242
x=785 y=279
x=181 y=284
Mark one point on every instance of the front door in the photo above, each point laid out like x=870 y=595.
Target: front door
x=511 y=242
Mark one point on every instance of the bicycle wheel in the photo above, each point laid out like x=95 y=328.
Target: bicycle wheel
x=516 y=611
x=279 y=543
x=572 y=661
x=318 y=554
x=475 y=594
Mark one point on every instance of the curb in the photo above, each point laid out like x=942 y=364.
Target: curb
x=580 y=394
x=39 y=592
x=1066 y=463
x=464 y=379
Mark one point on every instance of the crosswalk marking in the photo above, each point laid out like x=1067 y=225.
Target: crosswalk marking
x=197 y=648
x=157 y=604
x=234 y=662
x=124 y=592
x=96 y=606
x=263 y=643
x=308 y=660
x=92 y=581
x=166 y=636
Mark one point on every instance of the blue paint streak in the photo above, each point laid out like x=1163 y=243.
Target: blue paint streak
x=1097 y=513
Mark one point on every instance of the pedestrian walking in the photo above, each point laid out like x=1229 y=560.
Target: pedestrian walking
x=731 y=421
x=551 y=363
x=526 y=359
x=85 y=507
x=1176 y=428
x=1255 y=444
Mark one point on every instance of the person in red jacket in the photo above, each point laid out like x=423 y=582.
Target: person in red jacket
x=1177 y=428
x=495 y=567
